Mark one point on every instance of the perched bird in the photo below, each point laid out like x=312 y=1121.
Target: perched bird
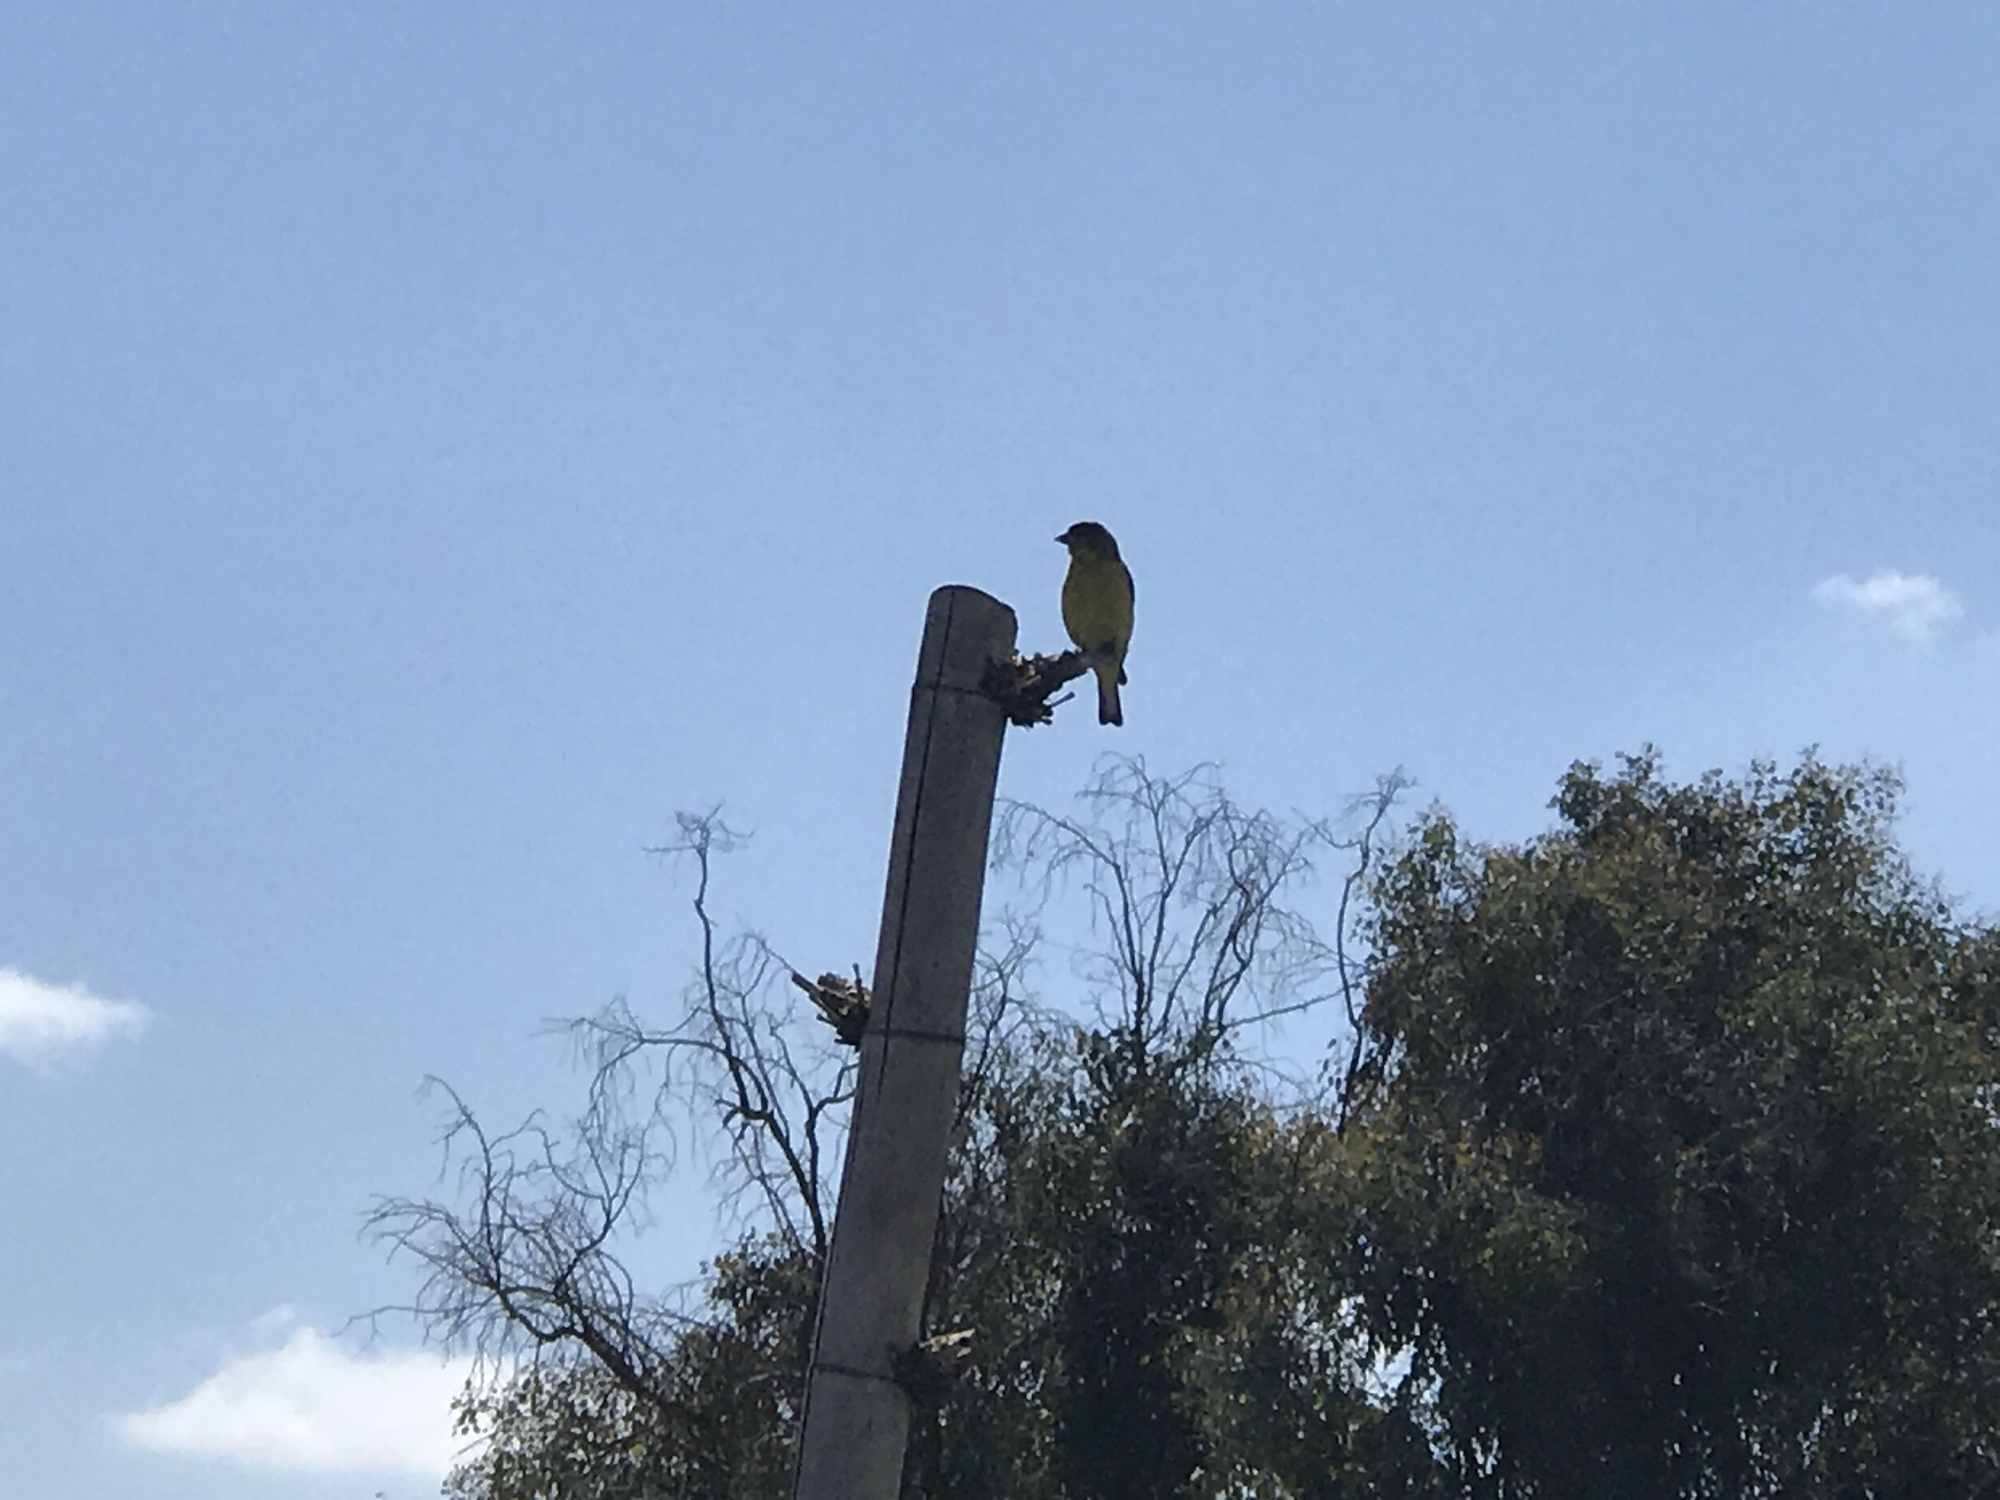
x=1097 y=609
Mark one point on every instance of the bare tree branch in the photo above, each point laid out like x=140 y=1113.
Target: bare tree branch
x=1373 y=810
x=1200 y=900
x=525 y=1258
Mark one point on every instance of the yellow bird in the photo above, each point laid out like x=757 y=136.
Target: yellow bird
x=1097 y=609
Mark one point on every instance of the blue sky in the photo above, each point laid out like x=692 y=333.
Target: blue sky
x=441 y=444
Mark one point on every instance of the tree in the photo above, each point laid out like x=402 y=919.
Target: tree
x=1679 y=1172
x=1129 y=1193
x=590 y=1385
x=715 y=1418
x=1112 y=1186
x=1659 y=1160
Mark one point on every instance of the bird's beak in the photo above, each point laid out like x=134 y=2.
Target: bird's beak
x=1064 y=538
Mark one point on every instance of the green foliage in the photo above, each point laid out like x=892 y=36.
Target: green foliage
x=1128 y=1254
x=716 y=1422
x=1119 y=1229
x=1682 y=1176
x=1666 y=1166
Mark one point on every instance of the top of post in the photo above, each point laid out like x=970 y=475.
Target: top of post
x=965 y=631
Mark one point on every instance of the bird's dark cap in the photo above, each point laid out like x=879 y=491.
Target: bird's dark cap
x=1087 y=531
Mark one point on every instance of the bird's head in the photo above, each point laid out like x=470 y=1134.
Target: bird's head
x=1088 y=539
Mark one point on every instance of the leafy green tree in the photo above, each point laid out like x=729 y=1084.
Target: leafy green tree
x=1126 y=1194
x=1679 y=1172
x=713 y=1418
x=1120 y=1281
x=1659 y=1160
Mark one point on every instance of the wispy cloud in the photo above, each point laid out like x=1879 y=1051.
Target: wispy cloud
x=39 y=1020
x=275 y=1320
x=315 y=1406
x=1914 y=606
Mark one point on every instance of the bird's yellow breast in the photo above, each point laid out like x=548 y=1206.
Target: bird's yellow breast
x=1097 y=603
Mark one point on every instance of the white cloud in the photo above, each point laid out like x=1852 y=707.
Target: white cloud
x=312 y=1405
x=1914 y=606
x=39 y=1020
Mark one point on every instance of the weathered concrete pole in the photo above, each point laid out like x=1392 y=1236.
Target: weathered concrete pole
x=857 y=1418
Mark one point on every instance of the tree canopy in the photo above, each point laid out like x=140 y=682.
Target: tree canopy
x=1682 y=1173
x=1653 y=1156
